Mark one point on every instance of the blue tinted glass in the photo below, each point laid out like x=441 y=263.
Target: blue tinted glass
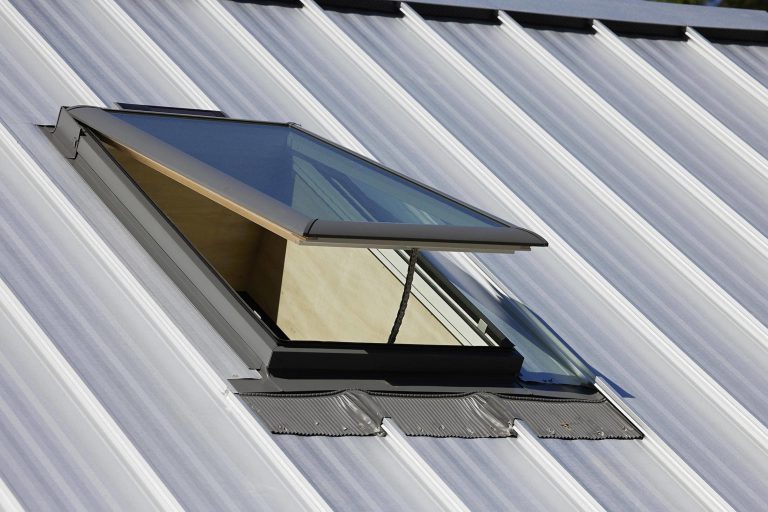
x=305 y=173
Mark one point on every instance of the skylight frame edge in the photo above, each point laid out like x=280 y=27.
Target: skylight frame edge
x=276 y=216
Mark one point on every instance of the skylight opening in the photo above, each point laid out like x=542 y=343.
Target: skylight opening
x=302 y=293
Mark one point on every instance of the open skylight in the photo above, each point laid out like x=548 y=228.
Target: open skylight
x=300 y=186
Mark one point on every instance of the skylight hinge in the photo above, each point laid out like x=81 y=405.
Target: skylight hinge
x=66 y=135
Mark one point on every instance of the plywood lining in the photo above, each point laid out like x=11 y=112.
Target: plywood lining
x=311 y=293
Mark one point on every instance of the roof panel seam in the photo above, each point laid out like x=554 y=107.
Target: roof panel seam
x=441 y=492
x=666 y=455
x=597 y=188
x=195 y=95
x=566 y=481
x=38 y=42
x=255 y=49
x=691 y=107
x=155 y=314
x=8 y=501
x=90 y=405
x=732 y=70
x=675 y=170
x=657 y=340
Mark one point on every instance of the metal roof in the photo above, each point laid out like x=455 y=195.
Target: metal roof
x=113 y=385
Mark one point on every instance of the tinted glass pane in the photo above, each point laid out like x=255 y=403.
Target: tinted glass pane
x=305 y=173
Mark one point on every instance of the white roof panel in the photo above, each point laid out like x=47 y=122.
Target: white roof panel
x=676 y=326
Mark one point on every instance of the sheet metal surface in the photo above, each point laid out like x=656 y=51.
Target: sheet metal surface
x=752 y=58
x=157 y=384
x=713 y=88
x=743 y=187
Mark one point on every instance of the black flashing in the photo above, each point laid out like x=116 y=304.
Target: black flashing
x=655 y=19
x=279 y=3
x=385 y=7
x=171 y=110
x=548 y=21
x=725 y=35
x=462 y=415
x=456 y=13
x=655 y=30
x=631 y=11
x=422 y=235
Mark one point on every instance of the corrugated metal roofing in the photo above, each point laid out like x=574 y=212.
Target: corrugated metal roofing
x=113 y=386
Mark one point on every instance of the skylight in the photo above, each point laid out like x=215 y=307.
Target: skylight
x=263 y=225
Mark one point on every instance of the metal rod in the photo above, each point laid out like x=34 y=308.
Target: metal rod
x=413 y=256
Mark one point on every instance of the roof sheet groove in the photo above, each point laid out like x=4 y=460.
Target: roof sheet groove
x=118 y=319
x=458 y=104
x=619 y=207
x=140 y=473
x=249 y=430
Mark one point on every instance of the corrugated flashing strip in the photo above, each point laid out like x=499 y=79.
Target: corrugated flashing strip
x=462 y=415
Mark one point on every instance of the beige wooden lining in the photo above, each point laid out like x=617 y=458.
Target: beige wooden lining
x=311 y=293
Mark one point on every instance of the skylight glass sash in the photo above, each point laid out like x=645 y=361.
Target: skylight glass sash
x=496 y=235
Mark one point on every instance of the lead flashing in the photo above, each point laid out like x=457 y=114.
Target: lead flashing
x=462 y=415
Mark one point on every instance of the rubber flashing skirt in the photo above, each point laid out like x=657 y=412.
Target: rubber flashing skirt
x=464 y=415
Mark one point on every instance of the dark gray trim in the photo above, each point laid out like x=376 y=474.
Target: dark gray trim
x=170 y=110
x=66 y=134
x=631 y=11
x=381 y=7
x=384 y=360
x=452 y=237
x=464 y=415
